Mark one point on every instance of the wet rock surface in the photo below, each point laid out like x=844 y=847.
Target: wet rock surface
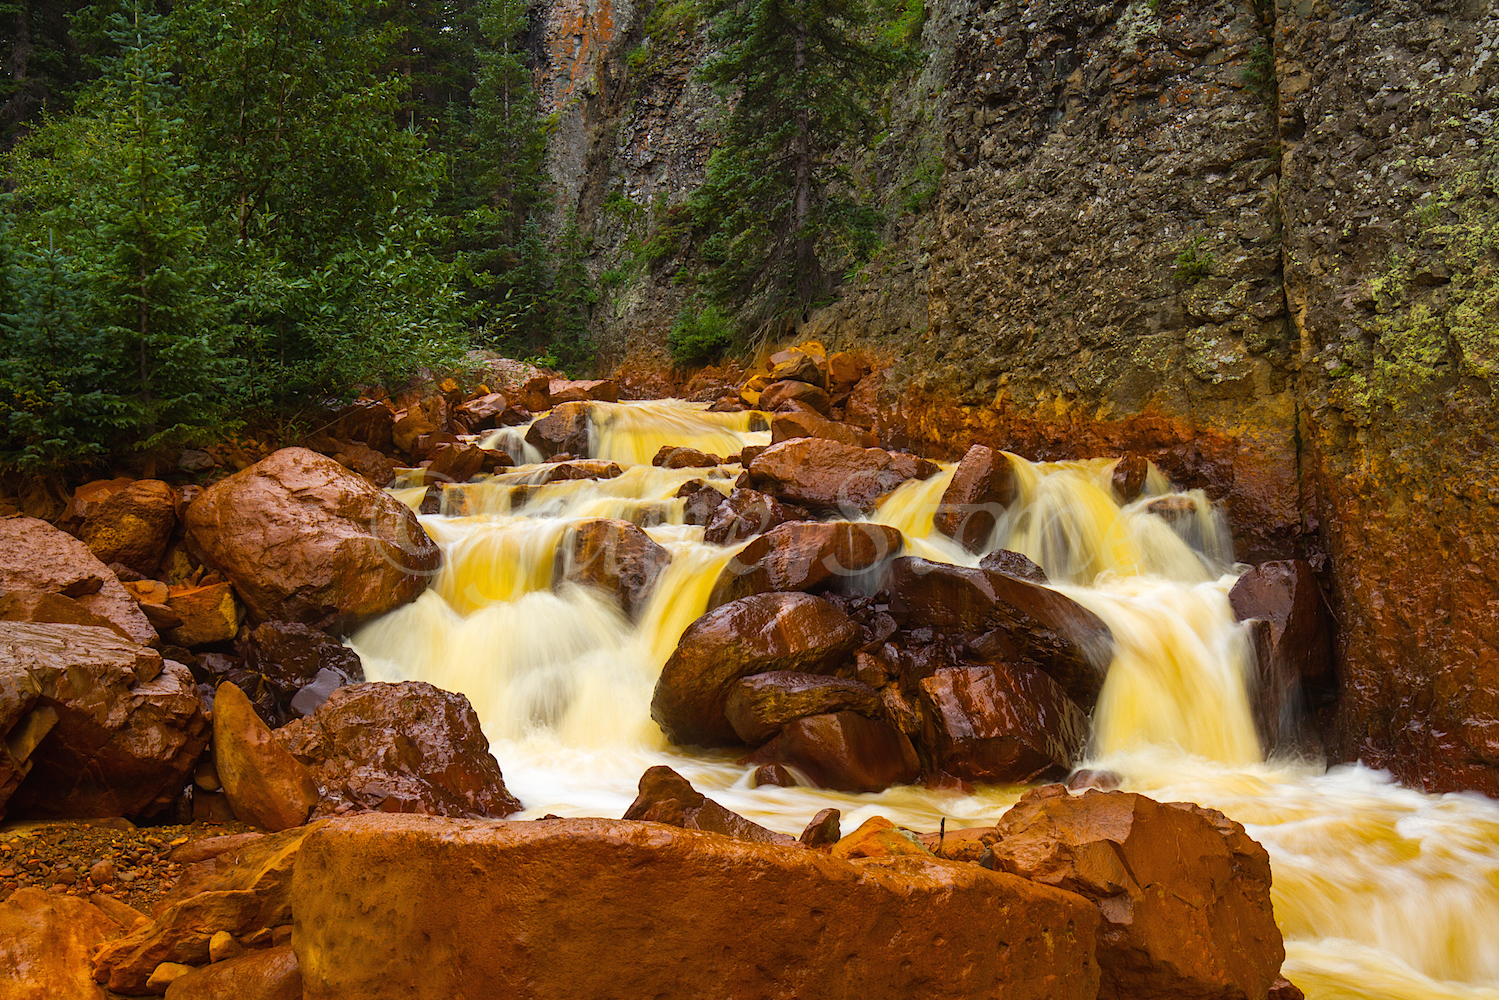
x=982 y=488
x=744 y=514
x=1001 y=722
x=845 y=751
x=830 y=477
x=36 y=557
x=613 y=556
x=802 y=555
x=760 y=705
x=667 y=797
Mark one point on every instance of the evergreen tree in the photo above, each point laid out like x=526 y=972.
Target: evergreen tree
x=775 y=207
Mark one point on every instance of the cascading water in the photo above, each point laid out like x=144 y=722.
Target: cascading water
x=1381 y=891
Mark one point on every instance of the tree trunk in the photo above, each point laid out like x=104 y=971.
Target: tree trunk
x=805 y=249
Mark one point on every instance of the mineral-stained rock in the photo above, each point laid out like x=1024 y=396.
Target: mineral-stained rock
x=748 y=636
x=760 y=705
x=828 y=476
x=667 y=797
x=46 y=941
x=132 y=526
x=787 y=394
x=564 y=429
x=557 y=909
x=823 y=830
x=1183 y=891
x=208 y=614
x=263 y=974
x=744 y=514
x=1002 y=722
x=844 y=370
x=1014 y=564
x=290 y=655
x=407 y=747
x=1067 y=640
x=303 y=539
x=583 y=468
x=1128 y=477
x=702 y=501
x=179 y=935
x=266 y=785
x=604 y=390
x=410 y=428
x=877 y=837
x=1285 y=593
x=614 y=556
x=982 y=487
x=483 y=412
x=454 y=463
x=785 y=426
x=844 y=750
x=801 y=555
x=799 y=366
x=367 y=420
x=684 y=458
x=95 y=725
x=39 y=608
x=34 y=556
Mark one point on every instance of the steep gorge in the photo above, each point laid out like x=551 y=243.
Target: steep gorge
x=1252 y=243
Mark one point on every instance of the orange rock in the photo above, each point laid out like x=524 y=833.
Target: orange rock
x=132 y=526
x=179 y=935
x=410 y=426
x=31 y=606
x=91 y=494
x=35 y=556
x=828 y=476
x=614 y=556
x=407 y=906
x=877 y=837
x=266 y=785
x=564 y=429
x=982 y=487
x=208 y=614
x=785 y=426
x=566 y=391
x=844 y=370
x=1183 y=891
x=45 y=944
x=264 y=974
x=781 y=395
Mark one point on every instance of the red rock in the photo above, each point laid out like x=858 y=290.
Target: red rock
x=786 y=426
x=827 y=476
x=749 y=636
x=982 y=488
x=844 y=371
x=373 y=465
x=1184 y=893
x=482 y=413
x=303 y=539
x=39 y=608
x=426 y=444
x=667 y=797
x=845 y=751
x=576 y=391
x=535 y=394
x=744 y=514
x=863 y=406
x=132 y=526
x=466 y=909
x=94 y=725
x=684 y=458
x=702 y=501
x=409 y=427
x=1284 y=989
x=1012 y=564
x=877 y=837
x=822 y=831
x=614 y=556
x=36 y=557
x=800 y=555
x=407 y=747
x=565 y=429
x=369 y=421
x=583 y=468
x=266 y=786
x=46 y=942
x=760 y=705
x=1128 y=477
x=290 y=656
x=1001 y=722
x=773 y=775
x=960 y=845
x=263 y=974
x=1285 y=593
x=1069 y=642
x=781 y=395
x=454 y=463
x=208 y=614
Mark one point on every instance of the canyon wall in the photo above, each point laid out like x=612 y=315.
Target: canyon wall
x=1252 y=241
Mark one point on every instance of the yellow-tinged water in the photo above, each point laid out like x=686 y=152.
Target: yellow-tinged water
x=1383 y=893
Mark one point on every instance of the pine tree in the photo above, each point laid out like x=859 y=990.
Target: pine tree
x=803 y=76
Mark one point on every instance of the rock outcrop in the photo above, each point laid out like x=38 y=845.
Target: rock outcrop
x=38 y=558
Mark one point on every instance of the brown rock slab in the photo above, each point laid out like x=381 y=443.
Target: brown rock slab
x=582 y=468
x=373 y=465
x=830 y=477
x=788 y=393
x=667 y=797
x=1286 y=594
x=1183 y=891
x=266 y=785
x=1013 y=563
x=558 y=909
x=303 y=539
x=604 y=390
x=454 y=463
x=368 y=421
x=407 y=747
x=264 y=974
x=670 y=457
x=483 y=412
x=785 y=426
x=34 y=556
x=564 y=429
x=982 y=488
x=46 y=941
x=1128 y=477
x=208 y=614
x=1070 y=643
x=132 y=526
x=845 y=751
x=744 y=514
x=614 y=556
x=1002 y=722
x=801 y=555
x=410 y=427
x=180 y=935
x=262 y=866
x=748 y=636
x=760 y=705
x=39 y=608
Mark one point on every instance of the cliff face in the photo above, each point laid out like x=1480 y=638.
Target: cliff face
x=1254 y=242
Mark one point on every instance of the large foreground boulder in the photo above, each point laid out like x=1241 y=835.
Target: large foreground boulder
x=407 y=747
x=1183 y=891
x=801 y=555
x=46 y=941
x=94 y=725
x=831 y=477
x=305 y=540
x=749 y=636
x=423 y=909
x=38 y=558
x=1070 y=642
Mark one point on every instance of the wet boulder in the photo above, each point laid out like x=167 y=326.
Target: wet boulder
x=46 y=941
x=94 y=725
x=761 y=705
x=785 y=426
x=1128 y=477
x=39 y=608
x=290 y=655
x=844 y=751
x=801 y=555
x=564 y=429
x=483 y=412
x=614 y=556
x=667 y=797
x=1013 y=563
x=1070 y=643
x=132 y=527
x=744 y=514
x=208 y=614
x=748 y=636
x=407 y=747
x=38 y=558
x=303 y=539
x=266 y=786
x=982 y=487
x=455 y=463
x=790 y=393
x=400 y=906
x=373 y=465
x=583 y=468
x=799 y=366
x=1286 y=594
x=1183 y=891
x=702 y=501
x=670 y=457
x=604 y=390
x=260 y=974
x=1002 y=722
x=830 y=477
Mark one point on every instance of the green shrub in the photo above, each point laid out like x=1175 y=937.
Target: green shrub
x=700 y=333
x=1192 y=266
